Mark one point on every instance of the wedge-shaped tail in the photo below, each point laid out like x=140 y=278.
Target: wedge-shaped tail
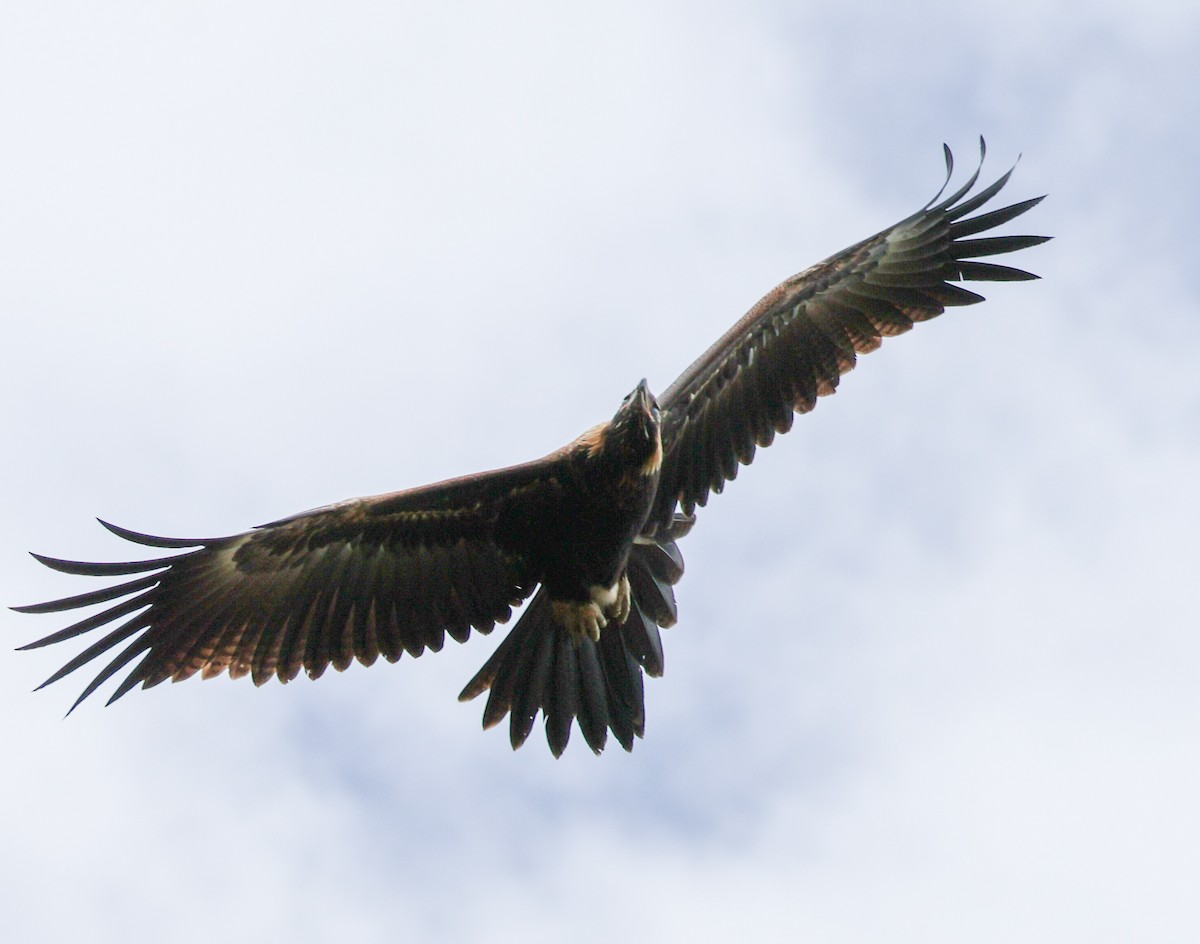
x=539 y=667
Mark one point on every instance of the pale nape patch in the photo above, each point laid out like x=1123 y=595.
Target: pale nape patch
x=593 y=440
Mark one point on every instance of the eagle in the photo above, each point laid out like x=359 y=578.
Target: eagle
x=590 y=532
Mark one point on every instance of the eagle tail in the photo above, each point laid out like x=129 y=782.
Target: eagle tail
x=539 y=667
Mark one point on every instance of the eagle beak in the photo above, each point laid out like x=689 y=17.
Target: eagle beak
x=644 y=398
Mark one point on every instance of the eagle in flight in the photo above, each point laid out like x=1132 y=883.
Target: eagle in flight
x=589 y=531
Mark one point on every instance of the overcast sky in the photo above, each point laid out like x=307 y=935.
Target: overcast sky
x=937 y=672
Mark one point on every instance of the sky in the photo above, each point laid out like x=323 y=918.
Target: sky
x=935 y=673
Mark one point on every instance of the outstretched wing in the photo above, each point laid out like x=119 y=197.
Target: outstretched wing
x=357 y=580
x=795 y=344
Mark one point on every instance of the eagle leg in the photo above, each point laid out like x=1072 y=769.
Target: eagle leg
x=579 y=619
x=619 y=611
x=582 y=618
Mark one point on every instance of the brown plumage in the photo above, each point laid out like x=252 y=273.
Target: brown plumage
x=589 y=531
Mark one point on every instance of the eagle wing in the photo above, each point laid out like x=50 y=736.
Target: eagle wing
x=794 y=345
x=356 y=580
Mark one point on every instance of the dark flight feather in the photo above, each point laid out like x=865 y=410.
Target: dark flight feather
x=396 y=573
x=307 y=591
x=793 y=346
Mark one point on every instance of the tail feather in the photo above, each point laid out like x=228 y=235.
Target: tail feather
x=538 y=668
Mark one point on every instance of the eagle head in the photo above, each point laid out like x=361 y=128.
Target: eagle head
x=633 y=436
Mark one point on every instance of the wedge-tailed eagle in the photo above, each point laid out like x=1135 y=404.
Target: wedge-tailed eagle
x=589 y=532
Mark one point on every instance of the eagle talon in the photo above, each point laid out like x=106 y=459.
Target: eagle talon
x=580 y=620
x=619 y=611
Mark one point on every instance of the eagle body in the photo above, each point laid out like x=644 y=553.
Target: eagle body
x=575 y=525
x=586 y=537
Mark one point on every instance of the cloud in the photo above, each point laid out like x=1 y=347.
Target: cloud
x=932 y=676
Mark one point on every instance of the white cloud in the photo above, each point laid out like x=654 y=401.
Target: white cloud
x=934 y=674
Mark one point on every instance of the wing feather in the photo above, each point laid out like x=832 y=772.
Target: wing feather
x=353 y=581
x=792 y=347
x=127 y=655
